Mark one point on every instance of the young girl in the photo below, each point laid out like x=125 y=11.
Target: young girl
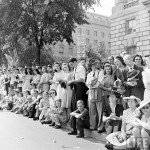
x=107 y=82
x=25 y=96
x=58 y=115
x=52 y=99
x=19 y=102
x=44 y=105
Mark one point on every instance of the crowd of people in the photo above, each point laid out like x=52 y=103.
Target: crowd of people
x=111 y=97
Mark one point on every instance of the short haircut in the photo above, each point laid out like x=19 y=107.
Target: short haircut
x=73 y=60
x=80 y=102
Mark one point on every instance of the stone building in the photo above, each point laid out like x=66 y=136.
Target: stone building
x=98 y=30
x=130 y=27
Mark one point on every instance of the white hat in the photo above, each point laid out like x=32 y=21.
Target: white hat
x=132 y=97
x=143 y=103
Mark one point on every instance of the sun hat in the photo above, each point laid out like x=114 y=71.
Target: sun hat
x=132 y=97
x=116 y=93
x=143 y=103
x=93 y=62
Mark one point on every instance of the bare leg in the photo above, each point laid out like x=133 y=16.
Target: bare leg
x=115 y=128
x=109 y=130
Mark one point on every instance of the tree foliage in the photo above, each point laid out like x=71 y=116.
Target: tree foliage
x=41 y=22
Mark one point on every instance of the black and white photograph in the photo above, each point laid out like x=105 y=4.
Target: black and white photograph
x=75 y=74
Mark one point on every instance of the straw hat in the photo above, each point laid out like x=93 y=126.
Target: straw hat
x=143 y=103
x=132 y=97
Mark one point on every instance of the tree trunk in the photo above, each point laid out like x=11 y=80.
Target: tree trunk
x=39 y=55
x=38 y=59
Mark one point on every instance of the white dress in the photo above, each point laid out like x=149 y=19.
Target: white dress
x=66 y=94
x=128 y=118
x=56 y=77
x=44 y=80
x=26 y=83
x=146 y=81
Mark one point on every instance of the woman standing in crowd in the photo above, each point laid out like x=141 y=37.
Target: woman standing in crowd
x=146 y=78
x=138 y=60
x=27 y=79
x=133 y=78
x=118 y=72
x=107 y=82
x=119 y=78
x=44 y=81
x=66 y=90
x=57 y=75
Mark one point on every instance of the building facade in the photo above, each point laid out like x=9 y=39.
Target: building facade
x=130 y=27
x=92 y=34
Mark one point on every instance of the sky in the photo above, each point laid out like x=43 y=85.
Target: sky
x=105 y=8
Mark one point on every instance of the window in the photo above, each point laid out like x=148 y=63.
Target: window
x=131 y=50
x=87 y=41
x=79 y=31
x=130 y=26
x=88 y=32
x=71 y=49
x=95 y=33
x=61 y=49
x=95 y=42
x=103 y=34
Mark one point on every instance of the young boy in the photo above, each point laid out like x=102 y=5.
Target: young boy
x=79 y=120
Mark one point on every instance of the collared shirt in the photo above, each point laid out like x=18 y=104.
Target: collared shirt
x=79 y=73
x=97 y=74
x=131 y=68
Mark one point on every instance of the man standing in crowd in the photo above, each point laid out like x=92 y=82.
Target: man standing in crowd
x=133 y=78
x=78 y=83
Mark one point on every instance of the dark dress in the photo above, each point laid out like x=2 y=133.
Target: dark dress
x=118 y=111
x=137 y=90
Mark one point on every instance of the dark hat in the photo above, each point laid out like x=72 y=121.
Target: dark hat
x=93 y=62
x=116 y=93
x=132 y=74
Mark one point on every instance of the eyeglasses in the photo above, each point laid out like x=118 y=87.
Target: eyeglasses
x=146 y=107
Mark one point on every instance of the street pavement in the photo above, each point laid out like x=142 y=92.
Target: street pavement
x=22 y=133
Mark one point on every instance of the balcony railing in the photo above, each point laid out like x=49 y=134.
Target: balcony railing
x=131 y=4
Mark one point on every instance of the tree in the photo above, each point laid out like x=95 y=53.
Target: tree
x=41 y=22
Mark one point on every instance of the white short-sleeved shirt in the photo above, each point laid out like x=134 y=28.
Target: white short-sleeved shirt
x=80 y=73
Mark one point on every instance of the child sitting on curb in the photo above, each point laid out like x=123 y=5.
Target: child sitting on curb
x=58 y=116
